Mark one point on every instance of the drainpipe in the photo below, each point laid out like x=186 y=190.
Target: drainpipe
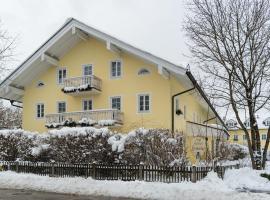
x=175 y=95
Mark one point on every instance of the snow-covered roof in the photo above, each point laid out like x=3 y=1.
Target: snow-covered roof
x=72 y=32
x=262 y=121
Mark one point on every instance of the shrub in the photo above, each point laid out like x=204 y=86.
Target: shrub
x=231 y=152
x=264 y=175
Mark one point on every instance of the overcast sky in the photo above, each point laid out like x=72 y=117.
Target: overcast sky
x=153 y=25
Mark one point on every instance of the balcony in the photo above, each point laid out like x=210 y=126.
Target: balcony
x=82 y=85
x=99 y=118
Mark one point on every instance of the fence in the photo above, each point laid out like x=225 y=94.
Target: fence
x=116 y=171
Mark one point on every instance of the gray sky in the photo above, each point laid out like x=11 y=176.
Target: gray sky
x=153 y=25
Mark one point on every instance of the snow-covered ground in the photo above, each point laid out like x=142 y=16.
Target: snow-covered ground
x=211 y=188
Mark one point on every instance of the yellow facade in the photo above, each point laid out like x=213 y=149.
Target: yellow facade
x=128 y=87
x=241 y=138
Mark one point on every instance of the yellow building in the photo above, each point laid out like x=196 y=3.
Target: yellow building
x=238 y=136
x=83 y=77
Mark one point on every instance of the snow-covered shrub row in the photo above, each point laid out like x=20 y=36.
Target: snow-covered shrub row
x=16 y=144
x=232 y=151
x=88 y=144
x=150 y=147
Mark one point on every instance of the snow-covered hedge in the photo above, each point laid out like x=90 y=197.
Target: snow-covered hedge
x=232 y=151
x=88 y=144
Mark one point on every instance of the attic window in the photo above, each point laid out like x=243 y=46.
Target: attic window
x=247 y=124
x=267 y=122
x=143 y=71
x=40 y=84
x=231 y=124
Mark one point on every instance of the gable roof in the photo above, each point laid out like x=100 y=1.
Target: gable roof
x=11 y=88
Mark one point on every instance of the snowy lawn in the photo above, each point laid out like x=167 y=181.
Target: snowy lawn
x=211 y=188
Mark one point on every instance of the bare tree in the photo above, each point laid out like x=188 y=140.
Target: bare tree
x=7 y=44
x=230 y=40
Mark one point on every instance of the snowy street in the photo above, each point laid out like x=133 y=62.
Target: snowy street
x=209 y=188
x=12 y=194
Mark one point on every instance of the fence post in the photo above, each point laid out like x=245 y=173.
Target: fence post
x=8 y=166
x=237 y=166
x=140 y=172
x=53 y=170
x=94 y=171
x=193 y=174
x=17 y=167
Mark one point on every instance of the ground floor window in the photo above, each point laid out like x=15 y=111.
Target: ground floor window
x=143 y=102
x=235 y=138
x=40 y=110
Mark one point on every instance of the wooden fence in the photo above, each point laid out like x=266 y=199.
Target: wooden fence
x=116 y=171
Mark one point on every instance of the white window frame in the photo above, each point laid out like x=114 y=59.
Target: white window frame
x=83 y=100
x=265 y=136
x=57 y=106
x=121 y=69
x=37 y=107
x=57 y=75
x=112 y=97
x=87 y=65
x=138 y=103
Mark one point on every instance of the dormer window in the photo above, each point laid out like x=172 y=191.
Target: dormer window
x=143 y=71
x=247 y=124
x=266 y=122
x=231 y=123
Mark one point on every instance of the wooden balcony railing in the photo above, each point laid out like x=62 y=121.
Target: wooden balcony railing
x=100 y=117
x=81 y=84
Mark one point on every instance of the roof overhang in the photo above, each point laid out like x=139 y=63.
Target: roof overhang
x=48 y=54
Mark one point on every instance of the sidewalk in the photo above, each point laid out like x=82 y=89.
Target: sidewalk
x=8 y=194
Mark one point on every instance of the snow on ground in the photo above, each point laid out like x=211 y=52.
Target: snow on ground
x=247 y=178
x=211 y=188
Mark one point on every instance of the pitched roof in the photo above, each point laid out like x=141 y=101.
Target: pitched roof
x=62 y=41
x=261 y=121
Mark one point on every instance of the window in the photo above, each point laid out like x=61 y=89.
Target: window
x=263 y=136
x=87 y=104
x=62 y=75
x=40 y=110
x=40 y=84
x=116 y=103
x=247 y=124
x=144 y=103
x=61 y=108
x=267 y=122
x=116 y=70
x=87 y=70
x=143 y=71
x=235 y=138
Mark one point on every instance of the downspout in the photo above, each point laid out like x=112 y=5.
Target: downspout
x=172 y=99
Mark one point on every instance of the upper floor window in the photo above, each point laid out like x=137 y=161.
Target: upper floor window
x=87 y=70
x=87 y=104
x=143 y=71
x=264 y=136
x=61 y=107
x=143 y=103
x=244 y=137
x=61 y=75
x=116 y=69
x=235 y=137
x=116 y=103
x=40 y=110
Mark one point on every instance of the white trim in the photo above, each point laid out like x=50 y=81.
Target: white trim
x=57 y=74
x=87 y=99
x=110 y=67
x=116 y=96
x=57 y=106
x=138 y=102
x=85 y=65
x=36 y=111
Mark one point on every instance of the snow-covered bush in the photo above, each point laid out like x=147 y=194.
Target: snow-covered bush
x=16 y=144
x=228 y=151
x=150 y=147
x=80 y=145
